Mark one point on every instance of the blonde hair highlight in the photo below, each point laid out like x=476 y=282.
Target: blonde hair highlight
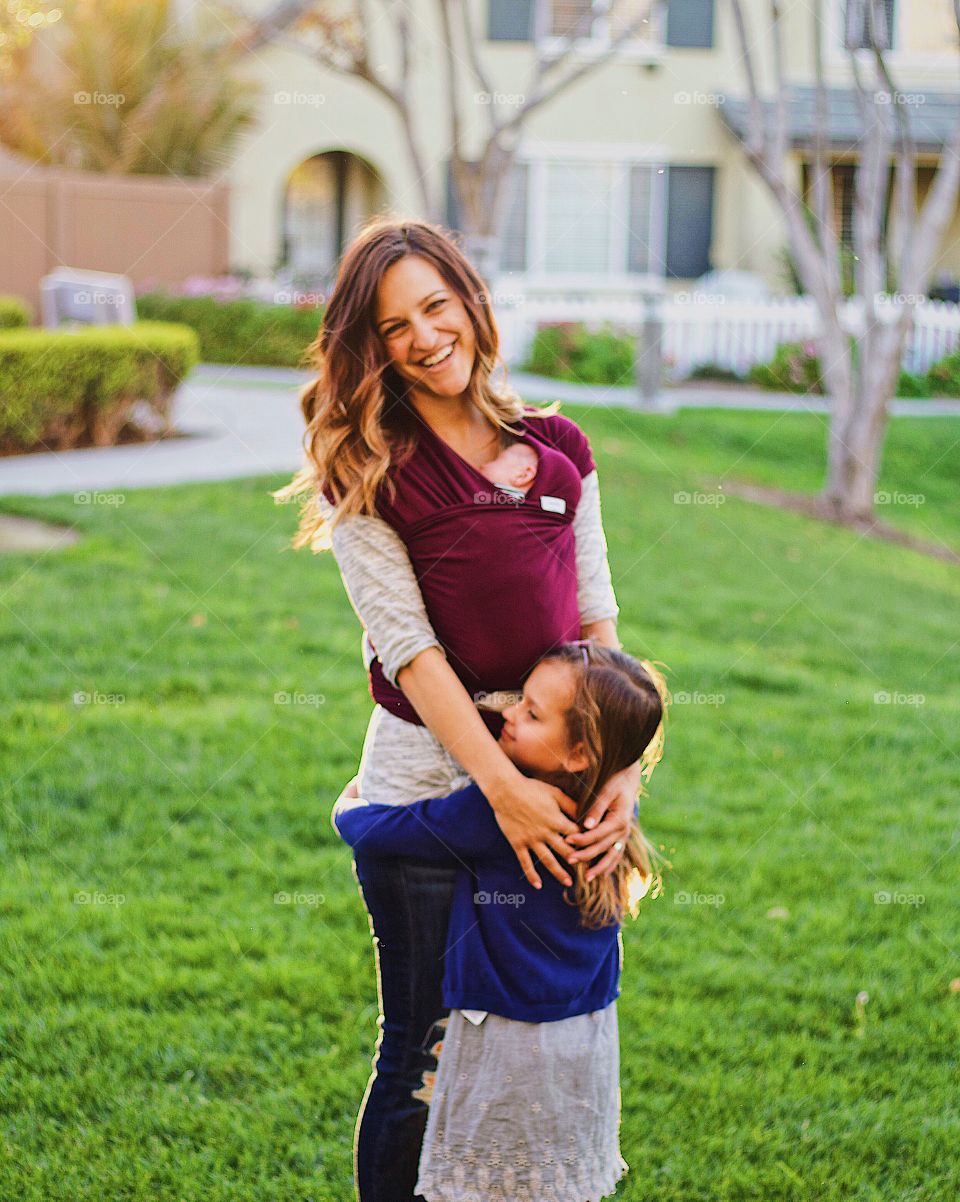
x=357 y=415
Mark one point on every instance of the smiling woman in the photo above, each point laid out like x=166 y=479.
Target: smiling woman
x=461 y=586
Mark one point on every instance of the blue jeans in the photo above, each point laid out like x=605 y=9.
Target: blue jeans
x=409 y=906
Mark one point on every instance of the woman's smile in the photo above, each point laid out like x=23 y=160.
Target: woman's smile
x=437 y=361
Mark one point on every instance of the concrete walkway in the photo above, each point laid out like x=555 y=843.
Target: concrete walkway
x=245 y=421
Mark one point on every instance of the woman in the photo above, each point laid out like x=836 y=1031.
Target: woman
x=460 y=588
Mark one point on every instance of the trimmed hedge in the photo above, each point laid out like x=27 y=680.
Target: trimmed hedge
x=14 y=313
x=795 y=367
x=944 y=375
x=247 y=332
x=62 y=389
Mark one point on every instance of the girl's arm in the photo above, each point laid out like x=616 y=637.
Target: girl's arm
x=608 y=820
x=452 y=829
x=385 y=594
x=527 y=810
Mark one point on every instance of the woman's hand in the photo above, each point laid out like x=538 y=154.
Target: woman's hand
x=531 y=815
x=608 y=823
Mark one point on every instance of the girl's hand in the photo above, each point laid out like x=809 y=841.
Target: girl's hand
x=608 y=823
x=531 y=815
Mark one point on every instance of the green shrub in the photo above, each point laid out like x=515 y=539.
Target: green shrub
x=14 y=312
x=910 y=385
x=570 y=351
x=713 y=371
x=59 y=389
x=795 y=367
x=239 y=331
x=944 y=376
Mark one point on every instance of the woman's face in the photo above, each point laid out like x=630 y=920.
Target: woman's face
x=534 y=732
x=425 y=328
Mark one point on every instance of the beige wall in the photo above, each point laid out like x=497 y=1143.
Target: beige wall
x=663 y=104
x=144 y=227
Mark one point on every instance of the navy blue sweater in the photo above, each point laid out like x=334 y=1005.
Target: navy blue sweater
x=511 y=949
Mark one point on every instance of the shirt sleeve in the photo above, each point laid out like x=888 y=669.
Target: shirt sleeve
x=382 y=588
x=595 y=595
x=453 y=829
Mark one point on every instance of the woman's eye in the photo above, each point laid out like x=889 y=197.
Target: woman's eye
x=441 y=300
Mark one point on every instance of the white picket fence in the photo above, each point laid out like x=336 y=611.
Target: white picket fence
x=707 y=329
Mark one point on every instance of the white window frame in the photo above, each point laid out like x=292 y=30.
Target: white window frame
x=648 y=49
x=623 y=156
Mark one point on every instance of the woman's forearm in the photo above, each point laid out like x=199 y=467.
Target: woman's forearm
x=604 y=631
x=437 y=694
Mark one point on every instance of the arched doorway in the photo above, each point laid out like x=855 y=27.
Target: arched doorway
x=328 y=196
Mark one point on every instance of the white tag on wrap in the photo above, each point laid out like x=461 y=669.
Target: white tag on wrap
x=553 y=504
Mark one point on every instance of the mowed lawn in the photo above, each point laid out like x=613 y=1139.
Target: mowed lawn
x=187 y=999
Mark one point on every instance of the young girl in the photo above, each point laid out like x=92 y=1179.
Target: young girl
x=526 y=1102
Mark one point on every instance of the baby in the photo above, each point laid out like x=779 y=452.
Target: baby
x=513 y=470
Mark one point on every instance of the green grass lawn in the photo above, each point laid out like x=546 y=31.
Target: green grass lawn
x=169 y=1029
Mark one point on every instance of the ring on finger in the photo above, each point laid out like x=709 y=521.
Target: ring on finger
x=618 y=846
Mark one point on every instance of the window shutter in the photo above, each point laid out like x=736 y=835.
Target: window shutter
x=513 y=235
x=689 y=221
x=451 y=208
x=510 y=21
x=690 y=23
x=857 y=35
x=640 y=223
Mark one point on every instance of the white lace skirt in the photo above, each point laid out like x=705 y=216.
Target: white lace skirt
x=525 y=1112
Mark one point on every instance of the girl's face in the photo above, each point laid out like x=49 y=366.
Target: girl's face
x=425 y=328
x=534 y=733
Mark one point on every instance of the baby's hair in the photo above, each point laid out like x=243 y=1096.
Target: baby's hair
x=617 y=713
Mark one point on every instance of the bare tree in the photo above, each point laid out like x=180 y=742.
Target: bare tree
x=860 y=365
x=480 y=166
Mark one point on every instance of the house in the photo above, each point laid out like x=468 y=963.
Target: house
x=632 y=178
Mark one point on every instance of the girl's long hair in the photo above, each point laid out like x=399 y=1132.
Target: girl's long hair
x=617 y=713
x=357 y=416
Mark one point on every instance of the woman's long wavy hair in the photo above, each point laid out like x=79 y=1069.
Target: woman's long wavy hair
x=618 y=711
x=358 y=419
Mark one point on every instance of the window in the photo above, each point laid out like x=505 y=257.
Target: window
x=584 y=218
x=597 y=21
x=856 y=33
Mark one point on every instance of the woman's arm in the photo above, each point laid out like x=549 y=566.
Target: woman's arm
x=385 y=594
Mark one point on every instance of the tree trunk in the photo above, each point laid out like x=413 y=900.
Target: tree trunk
x=859 y=417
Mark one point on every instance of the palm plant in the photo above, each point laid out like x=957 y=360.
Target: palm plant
x=115 y=87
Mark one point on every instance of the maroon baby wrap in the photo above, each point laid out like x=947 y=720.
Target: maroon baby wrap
x=498 y=575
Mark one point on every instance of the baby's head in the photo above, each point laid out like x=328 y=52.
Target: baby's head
x=516 y=466
x=588 y=711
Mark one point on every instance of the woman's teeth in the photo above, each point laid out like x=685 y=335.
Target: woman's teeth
x=439 y=356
